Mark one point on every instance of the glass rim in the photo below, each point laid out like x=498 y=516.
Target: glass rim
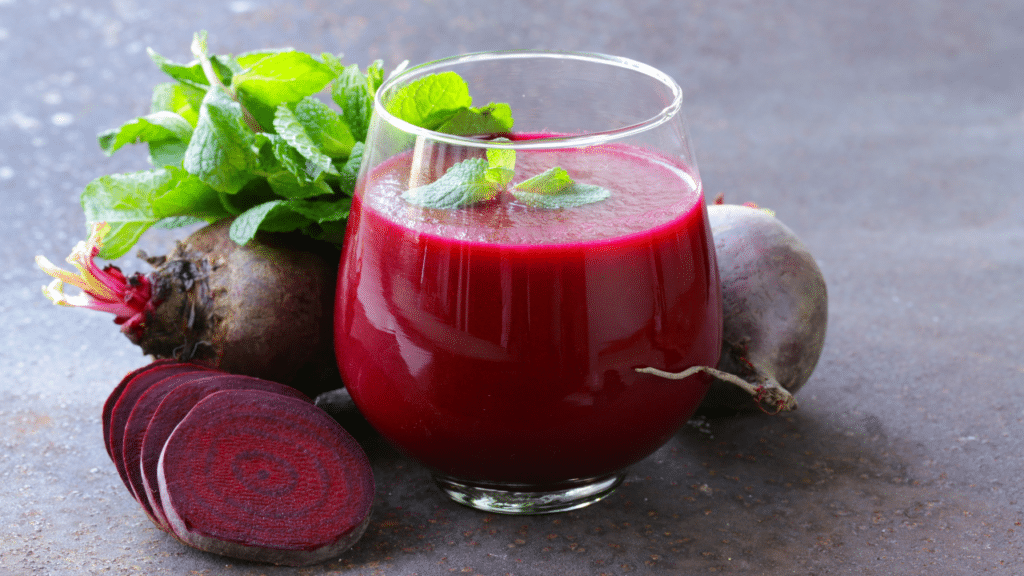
x=575 y=140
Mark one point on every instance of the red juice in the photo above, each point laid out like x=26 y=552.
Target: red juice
x=499 y=342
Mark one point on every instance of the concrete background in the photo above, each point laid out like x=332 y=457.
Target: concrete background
x=888 y=135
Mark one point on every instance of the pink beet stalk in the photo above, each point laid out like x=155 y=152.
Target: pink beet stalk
x=106 y=289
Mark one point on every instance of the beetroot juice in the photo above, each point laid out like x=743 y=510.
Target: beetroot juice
x=499 y=342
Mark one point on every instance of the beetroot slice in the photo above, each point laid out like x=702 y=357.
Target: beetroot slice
x=171 y=410
x=137 y=423
x=266 y=478
x=115 y=394
x=126 y=403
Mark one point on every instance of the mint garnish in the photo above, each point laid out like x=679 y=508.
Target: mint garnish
x=554 y=188
x=441 y=102
x=501 y=165
x=464 y=184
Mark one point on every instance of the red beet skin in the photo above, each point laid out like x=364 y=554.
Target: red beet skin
x=165 y=417
x=263 y=477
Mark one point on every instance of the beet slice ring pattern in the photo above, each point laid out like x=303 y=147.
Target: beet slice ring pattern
x=172 y=409
x=125 y=403
x=260 y=476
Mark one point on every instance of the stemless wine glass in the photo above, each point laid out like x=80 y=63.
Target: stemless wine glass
x=493 y=331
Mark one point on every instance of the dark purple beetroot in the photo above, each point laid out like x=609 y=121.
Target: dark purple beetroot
x=265 y=309
x=775 y=309
x=267 y=478
x=775 y=306
x=125 y=403
x=165 y=416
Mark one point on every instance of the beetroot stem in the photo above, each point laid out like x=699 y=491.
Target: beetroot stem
x=129 y=299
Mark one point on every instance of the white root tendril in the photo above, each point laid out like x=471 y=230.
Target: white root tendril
x=771 y=397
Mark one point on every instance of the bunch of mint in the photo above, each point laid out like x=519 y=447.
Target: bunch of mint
x=241 y=136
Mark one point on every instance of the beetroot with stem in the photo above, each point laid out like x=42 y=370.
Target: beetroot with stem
x=165 y=416
x=264 y=309
x=775 y=311
x=263 y=477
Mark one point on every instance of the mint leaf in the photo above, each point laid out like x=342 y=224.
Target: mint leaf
x=285 y=170
x=173 y=97
x=291 y=129
x=353 y=92
x=155 y=127
x=491 y=119
x=129 y=203
x=432 y=100
x=554 y=189
x=501 y=164
x=272 y=216
x=189 y=197
x=190 y=74
x=282 y=77
x=222 y=151
x=325 y=126
x=463 y=184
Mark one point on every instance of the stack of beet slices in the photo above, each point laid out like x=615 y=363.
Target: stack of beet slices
x=238 y=465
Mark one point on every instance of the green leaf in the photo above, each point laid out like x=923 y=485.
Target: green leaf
x=190 y=74
x=189 y=197
x=351 y=92
x=173 y=97
x=325 y=127
x=154 y=127
x=125 y=201
x=285 y=170
x=292 y=130
x=554 y=189
x=501 y=164
x=272 y=216
x=432 y=100
x=282 y=77
x=491 y=119
x=463 y=184
x=223 y=150
x=167 y=152
x=323 y=211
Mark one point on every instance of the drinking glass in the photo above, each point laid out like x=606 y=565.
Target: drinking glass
x=496 y=340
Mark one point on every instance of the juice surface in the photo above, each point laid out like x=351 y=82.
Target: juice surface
x=498 y=342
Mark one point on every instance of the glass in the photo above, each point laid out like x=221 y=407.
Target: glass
x=497 y=342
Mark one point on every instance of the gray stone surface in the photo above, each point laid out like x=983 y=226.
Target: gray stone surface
x=889 y=135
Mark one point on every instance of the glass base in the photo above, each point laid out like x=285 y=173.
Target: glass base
x=521 y=499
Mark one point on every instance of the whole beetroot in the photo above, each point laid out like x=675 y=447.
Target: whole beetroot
x=775 y=312
x=264 y=309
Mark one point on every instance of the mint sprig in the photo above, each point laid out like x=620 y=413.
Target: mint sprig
x=244 y=136
x=554 y=189
x=441 y=102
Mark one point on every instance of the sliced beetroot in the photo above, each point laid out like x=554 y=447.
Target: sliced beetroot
x=264 y=477
x=172 y=408
x=108 y=406
x=125 y=403
x=139 y=420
